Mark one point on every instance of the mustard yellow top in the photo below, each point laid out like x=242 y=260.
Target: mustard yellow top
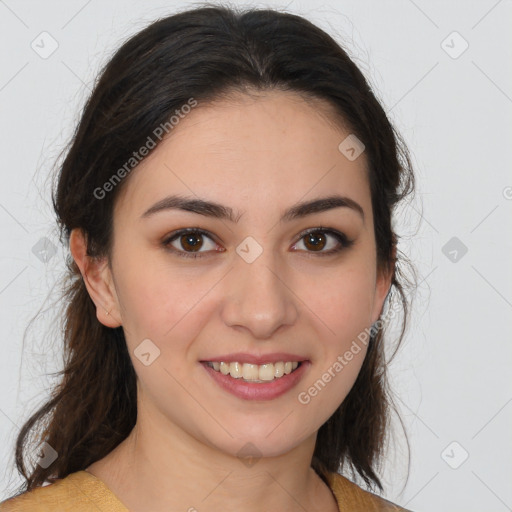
x=83 y=492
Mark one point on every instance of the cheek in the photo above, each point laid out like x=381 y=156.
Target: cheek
x=176 y=306
x=342 y=307
x=163 y=303
x=343 y=299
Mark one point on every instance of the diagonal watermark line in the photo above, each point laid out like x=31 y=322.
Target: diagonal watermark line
x=414 y=86
x=86 y=85
x=334 y=334
x=501 y=409
x=423 y=217
x=199 y=403
x=75 y=15
x=484 y=218
x=14 y=76
x=91 y=500
x=285 y=490
x=494 y=288
x=485 y=15
x=304 y=195
x=216 y=487
x=425 y=14
x=410 y=499
x=199 y=301
x=13 y=422
x=492 y=81
x=165 y=165
x=13 y=13
x=497 y=497
x=421 y=420
x=426 y=277
x=14 y=218
x=12 y=280
x=280 y=423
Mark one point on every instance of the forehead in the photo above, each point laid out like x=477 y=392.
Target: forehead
x=250 y=151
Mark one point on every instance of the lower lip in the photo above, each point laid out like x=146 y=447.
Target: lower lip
x=258 y=391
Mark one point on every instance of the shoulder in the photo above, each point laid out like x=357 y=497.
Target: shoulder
x=77 y=492
x=347 y=493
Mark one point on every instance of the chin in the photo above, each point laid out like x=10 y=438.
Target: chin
x=263 y=440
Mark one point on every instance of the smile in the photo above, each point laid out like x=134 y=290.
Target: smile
x=257 y=381
x=258 y=373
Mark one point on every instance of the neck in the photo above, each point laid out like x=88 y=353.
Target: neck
x=174 y=471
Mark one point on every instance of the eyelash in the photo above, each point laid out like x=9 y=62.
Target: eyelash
x=345 y=243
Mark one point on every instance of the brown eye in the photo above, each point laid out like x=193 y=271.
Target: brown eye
x=318 y=239
x=189 y=242
x=315 y=241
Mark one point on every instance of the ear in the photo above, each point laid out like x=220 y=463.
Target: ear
x=98 y=280
x=383 y=285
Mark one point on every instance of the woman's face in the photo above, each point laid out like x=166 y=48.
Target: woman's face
x=261 y=289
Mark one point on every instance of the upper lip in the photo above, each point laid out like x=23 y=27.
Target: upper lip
x=244 y=357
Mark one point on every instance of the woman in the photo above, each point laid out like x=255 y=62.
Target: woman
x=227 y=199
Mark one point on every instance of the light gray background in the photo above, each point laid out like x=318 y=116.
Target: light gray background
x=452 y=374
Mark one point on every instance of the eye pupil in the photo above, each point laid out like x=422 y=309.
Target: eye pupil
x=310 y=239
x=191 y=242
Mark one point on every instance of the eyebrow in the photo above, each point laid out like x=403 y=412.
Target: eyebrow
x=219 y=211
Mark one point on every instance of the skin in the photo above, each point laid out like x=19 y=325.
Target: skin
x=259 y=155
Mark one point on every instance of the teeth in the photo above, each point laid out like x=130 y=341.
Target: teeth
x=265 y=372
x=236 y=370
x=254 y=372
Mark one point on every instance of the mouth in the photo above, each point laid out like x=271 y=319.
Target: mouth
x=254 y=373
x=261 y=382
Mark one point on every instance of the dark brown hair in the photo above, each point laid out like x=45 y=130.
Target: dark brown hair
x=206 y=53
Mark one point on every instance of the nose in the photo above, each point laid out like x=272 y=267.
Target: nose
x=259 y=297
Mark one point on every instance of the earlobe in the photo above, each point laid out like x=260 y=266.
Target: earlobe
x=97 y=278
x=383 y=285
